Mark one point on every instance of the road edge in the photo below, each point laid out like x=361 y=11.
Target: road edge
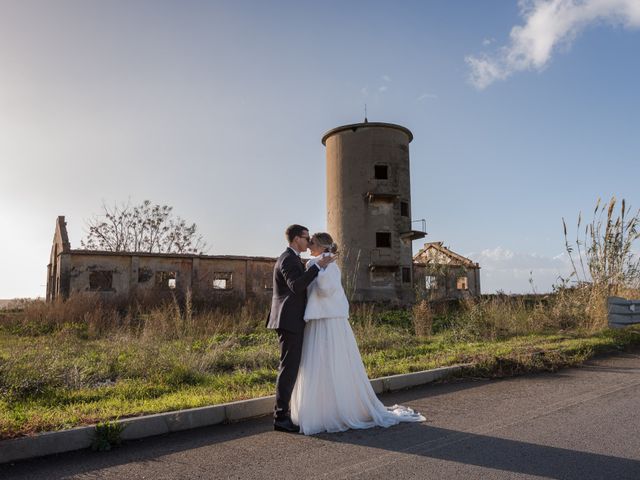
x=49 y=443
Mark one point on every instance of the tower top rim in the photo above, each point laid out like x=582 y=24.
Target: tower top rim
x=355 y=126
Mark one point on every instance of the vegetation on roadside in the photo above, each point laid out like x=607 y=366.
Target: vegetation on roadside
x=84 y=361
x=107 y=435
x=59 y=375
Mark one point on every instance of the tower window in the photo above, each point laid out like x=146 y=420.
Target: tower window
x=406 y=275
x=461 y=283
x=383 y=239
x=381 y=172
x=404 y=209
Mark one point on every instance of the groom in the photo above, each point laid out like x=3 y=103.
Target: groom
x=290 y=281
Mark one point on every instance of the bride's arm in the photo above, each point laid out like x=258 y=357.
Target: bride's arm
x=328 y=280
x=310 y=263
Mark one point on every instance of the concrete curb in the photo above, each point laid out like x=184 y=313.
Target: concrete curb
x=161 y=423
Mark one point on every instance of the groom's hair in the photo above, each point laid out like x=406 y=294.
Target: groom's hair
x=294 y=231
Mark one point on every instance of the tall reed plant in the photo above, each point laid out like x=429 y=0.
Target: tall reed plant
x=604 y=256
x=603 y=263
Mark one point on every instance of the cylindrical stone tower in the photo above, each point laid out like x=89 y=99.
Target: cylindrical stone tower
x=369 y=209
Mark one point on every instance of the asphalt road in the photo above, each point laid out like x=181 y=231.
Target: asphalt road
x=581 y=423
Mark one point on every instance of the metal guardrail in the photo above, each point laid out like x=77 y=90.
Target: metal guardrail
x=423 y=224
x=623 y=312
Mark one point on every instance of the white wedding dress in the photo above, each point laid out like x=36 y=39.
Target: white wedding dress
x=332 y=392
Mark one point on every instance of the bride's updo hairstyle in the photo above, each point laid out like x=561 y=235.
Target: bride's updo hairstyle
x=325 y=241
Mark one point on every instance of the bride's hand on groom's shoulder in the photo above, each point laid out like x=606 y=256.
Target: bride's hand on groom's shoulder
x=326 y=260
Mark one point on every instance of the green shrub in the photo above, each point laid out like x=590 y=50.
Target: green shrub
x=107 y=435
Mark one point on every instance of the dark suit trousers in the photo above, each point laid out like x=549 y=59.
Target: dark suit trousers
x=290 y=354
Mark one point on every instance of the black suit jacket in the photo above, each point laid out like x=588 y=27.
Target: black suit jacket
x=290 y=282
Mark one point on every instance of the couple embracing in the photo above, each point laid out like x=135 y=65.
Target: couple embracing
x=322 y=385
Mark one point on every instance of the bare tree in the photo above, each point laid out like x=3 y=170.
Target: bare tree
x=142 y=228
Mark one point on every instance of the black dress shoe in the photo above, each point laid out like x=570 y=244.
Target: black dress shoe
x=285 y=425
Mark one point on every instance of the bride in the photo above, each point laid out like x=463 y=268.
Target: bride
x=332 y=392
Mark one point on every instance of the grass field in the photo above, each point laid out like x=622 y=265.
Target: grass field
x=77 y=363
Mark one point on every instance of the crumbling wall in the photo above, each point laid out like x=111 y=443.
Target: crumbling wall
x=111 y=274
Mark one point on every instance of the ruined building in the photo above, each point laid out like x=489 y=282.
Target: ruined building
x=368 y=214
x=109 y=273
x=369 y=209
x=441 y=274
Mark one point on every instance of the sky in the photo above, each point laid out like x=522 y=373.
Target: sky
x=523 y=113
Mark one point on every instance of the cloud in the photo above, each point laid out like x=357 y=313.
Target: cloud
x=548 y=25
x=509 y=271
x=488 y=41
x=364 y=91
x=386 y=78
x=383 y=88
x=426 y=96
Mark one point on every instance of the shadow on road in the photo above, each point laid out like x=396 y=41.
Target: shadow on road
x=489 y=452
x=420 y=440
x=407 y=439
x=148 y=450
x=605 y=369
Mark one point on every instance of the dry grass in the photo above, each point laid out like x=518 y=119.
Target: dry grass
x=581 y=308
x=82 y=361
x=422 y=319
x=90 y=317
